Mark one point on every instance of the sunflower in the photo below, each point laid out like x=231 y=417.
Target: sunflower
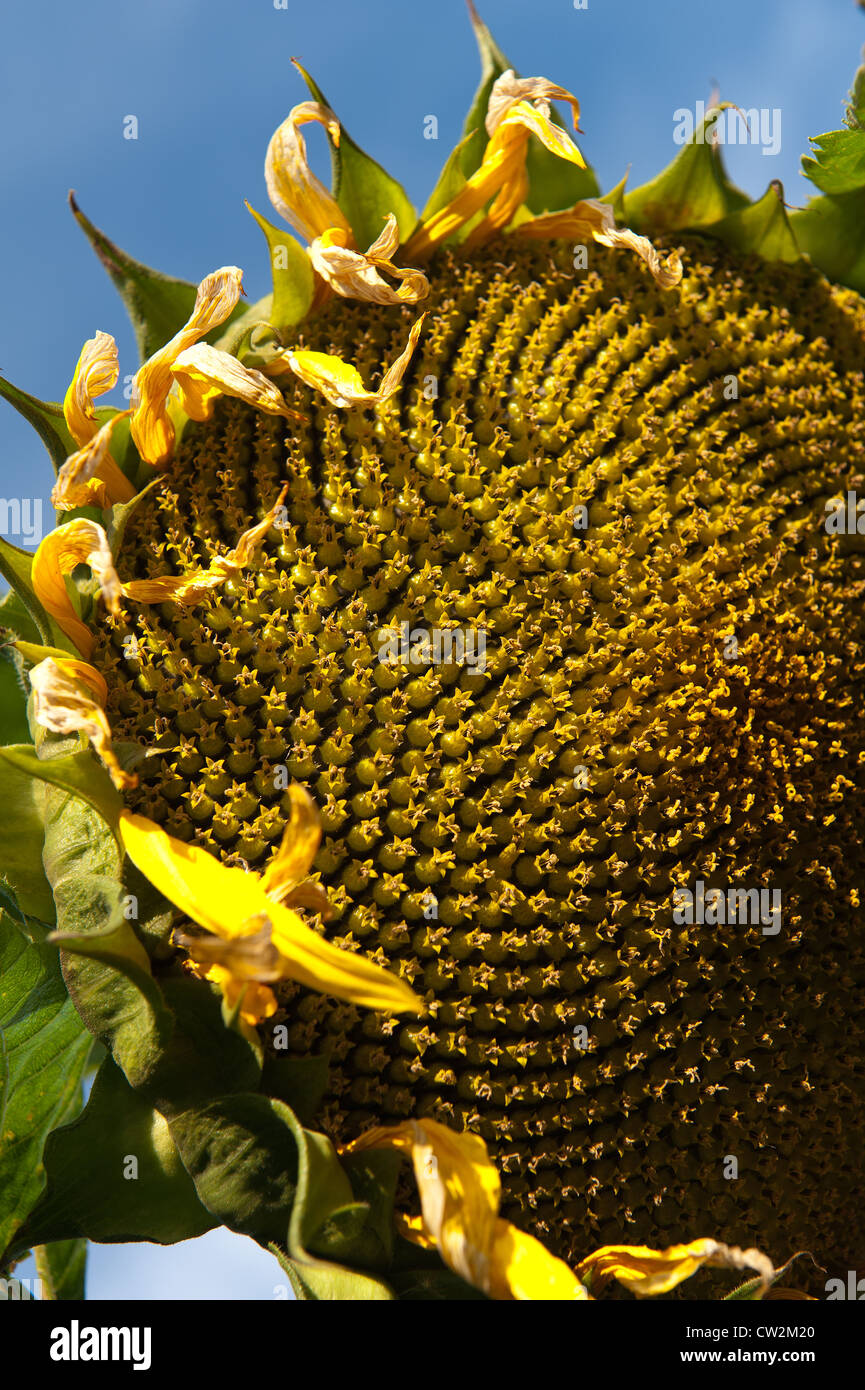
x=446 y=756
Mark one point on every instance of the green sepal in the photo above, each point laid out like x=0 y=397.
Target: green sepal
x=752 y=1291
x=694 y=191
x=830 y=231
x=838 y=163
x=299 y=1082
x=43 y=1052
x=90 y=1191
x=80 y=774
x=362 y=189
x=13 y=697
x=16 y=566
x=158 y=305
x=763 y=228
x=117 y=518
x=16 y=618
x=62 y=1266
x=449 y=183
x=616 y=197
x=493 y=64
x=47 y=419
x=291 y=268
x=21 y=834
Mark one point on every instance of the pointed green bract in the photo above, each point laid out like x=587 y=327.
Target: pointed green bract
x=838 y=163
x=291 y=268
x=361 y=187
x=554 y=183
x=79 y=774
x=493 y=64
x=46 y=417
x=16 y=566
x=831 y=231
x=21 y=835
x=158 y=305
x=692 y=192
x=763 y=228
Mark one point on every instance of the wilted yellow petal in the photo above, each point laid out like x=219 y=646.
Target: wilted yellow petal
x=593 y=218
x=75 y=543
x=68 y=698
x=95 y=373
x=357 y=275
x=517 y=109
x=460 y=1193
x=341 y=383
x=645 y=1271
x=192 y=586
x=90 y=476
x=203 y=373
x=294 y=190
x=152 y=429
x=293 y=860
x=232 y=905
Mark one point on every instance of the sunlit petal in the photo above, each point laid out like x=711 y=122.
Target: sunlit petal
x=593 y=218
x=95 y=373
x=90 y=475
x=358 y=275
x=76 y=542
x=203 y=373
x=293 y=860
x=341 y=383
x=294 y=190
x=645 y=1271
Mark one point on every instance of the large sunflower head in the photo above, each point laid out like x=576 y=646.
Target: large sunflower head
x=469 y=637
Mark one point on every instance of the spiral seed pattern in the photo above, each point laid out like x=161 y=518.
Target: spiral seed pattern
x=672 y=692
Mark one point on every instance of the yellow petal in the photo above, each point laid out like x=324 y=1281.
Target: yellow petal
x=339 y=382
x=75 y=543
x=517 y=109
x=521 y=1268
x=192 y=586
x=95 y=373
x=593 y=218
x=203 y=373
x=231 y=903
x=509 y=90
x=68 y=698
x=259 y=1002
x=90 y=476
x=357 y=275
x=293 y=860
x=645 y=1271
x=294 y=190
x=152 y=429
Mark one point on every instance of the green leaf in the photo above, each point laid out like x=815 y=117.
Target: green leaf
x=762 y=228
x=43 y=1051
x=361 y=187
x=79 y=774
x=21 y=834
x=291 y=268
x=46 y=417
x=692 y=192
x=838 y=165
x=94 y=1190
x=62 y=1265
x=158 y=305
x=831 y=231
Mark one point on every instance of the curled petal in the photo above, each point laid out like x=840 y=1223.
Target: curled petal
x=203 y=373
x=75 y=543
x=90 y=476
x=508 y=90
x=339 y=382
x=645 y=1271
x=69 y=698
x=191 y=587
x=294 y=190
x=151 y=428
x=232 y=906
x=460 y=1193
x=502 y=175
x=593 y=218
x=293 y=860
x=95 y=373
x=357 y=275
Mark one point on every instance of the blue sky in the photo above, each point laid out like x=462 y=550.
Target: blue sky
x=209 y=80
